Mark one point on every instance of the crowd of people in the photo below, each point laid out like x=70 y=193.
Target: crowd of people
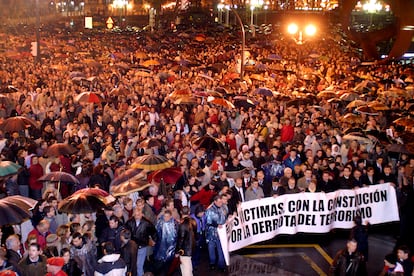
x=159 y=86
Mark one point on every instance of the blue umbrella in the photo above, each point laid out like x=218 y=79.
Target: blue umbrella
x=264 y=91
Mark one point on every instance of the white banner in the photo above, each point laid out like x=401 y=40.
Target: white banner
x=263 y=219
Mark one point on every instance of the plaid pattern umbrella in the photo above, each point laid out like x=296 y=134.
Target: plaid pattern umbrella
x=152 y=162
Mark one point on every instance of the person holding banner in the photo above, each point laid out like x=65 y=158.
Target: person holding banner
x=215 y=219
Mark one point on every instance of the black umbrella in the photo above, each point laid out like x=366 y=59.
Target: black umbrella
x=81 y=203
x=399 y=148
x=15 y=209
x=298 y=102
x=209 y=143
x=62 y=177
x=243 y=101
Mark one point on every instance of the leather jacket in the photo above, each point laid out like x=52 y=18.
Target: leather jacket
x=355 y=266
x=186 y=236
x=141 y=233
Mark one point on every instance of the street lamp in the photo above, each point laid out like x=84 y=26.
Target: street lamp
x=121 y=6
x=220 y=8
x=297 y=33
x=253 y=5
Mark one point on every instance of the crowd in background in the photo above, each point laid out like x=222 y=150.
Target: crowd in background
x=284 y=143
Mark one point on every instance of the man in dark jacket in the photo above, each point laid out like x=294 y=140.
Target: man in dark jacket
x=186 y=241
x=34 y=264
x=129 y=251
x=111 y=263
x=112 y=233
x=141 y=231
x=349 y=261
x=13 y=254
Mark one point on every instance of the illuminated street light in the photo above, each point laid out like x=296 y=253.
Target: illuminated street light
x=310 y=30
x=293 y=29
x=253 y=5
x=121 y=5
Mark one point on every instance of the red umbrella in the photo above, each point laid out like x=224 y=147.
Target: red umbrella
x=169 y=175
x=17 y=123
x=89 y=97
x=92 y=192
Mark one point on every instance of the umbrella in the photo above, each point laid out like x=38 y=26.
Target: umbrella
x=89 y=97
x=141 y=55
x=404 y=121
x=264 y=91
x=59 y=177
x=397 y=93
x=15 y=209
x=326 y=94
x=257 y=77
x=129 y=186
x=60 y=149
x=298 y=102
x=131 y=174
x=180 y=93
x=17 y=123
x=151 y=143
x=8 y=168
x=221 y=102
x=169 y=175
x=366 y=110
x=151 y=62
x=399 y=148
x=152 y=162
x=9 y=89
x=350 y=96
x=356 y=103
x=357 y=137
x=352 y=118
x=81 y=203
x=92 y=192
x=243 y=101
x=180 y=68
x=209 y=143
x=186 y=100
x=379 y=106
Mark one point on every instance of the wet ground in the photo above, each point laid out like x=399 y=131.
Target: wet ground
x=303 y=254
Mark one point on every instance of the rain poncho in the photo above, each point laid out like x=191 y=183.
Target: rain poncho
x=167 y=238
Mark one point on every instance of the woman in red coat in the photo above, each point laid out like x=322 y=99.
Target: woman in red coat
x=35 y=186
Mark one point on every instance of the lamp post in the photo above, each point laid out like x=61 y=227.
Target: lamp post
x=253 y=5
x=220 y=8
x=37 y=26
x=243 y=42
x=297 y=34
x=372 y=7
x=120 y=5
